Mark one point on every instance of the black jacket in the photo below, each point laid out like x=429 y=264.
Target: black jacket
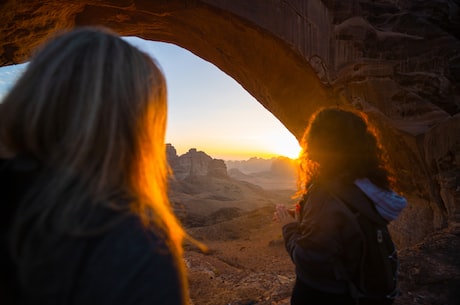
x=326 y=235
x=125 y=264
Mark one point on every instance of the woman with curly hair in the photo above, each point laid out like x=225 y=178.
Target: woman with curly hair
x=340 y=152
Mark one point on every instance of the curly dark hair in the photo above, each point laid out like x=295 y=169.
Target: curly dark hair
x=341 y=144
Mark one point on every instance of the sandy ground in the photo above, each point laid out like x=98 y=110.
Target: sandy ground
x=247 y=264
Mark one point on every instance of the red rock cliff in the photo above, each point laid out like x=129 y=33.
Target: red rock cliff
x=399 y=61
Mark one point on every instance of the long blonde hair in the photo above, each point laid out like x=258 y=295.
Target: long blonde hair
x=92 y=109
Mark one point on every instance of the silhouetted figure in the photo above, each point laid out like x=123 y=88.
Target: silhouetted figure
x=85 y=217
x=343 y=176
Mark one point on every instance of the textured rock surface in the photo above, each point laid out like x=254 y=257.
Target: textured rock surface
x=399 y=61
x=195 y=163
x=202 y=193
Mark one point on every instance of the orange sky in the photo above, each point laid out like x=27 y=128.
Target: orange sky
x=210 y=111
x=207 y=109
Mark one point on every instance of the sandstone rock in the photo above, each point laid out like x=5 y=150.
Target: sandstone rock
x=396 y=60
x=195 y=163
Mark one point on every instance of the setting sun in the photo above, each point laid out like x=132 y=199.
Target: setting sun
x=286 y=146
x=215 y=114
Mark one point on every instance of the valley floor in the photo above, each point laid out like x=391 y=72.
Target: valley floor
x=247 y=265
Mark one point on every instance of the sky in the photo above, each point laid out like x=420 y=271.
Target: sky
x=207 y=109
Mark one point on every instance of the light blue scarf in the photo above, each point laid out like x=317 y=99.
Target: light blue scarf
x=388 y=203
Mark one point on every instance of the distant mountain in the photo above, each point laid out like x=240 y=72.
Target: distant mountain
x=272 y=174
x=279 y=165
x=194 y=163
x=203 y=192
x=253 y=165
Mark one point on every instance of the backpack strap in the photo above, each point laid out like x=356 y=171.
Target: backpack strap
x=341 y=273
x=359 y=205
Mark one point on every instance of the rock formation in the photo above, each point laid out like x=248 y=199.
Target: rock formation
x=194 y=163
x=202 y=193
x=397 y=60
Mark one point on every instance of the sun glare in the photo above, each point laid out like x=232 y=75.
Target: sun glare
x=286 y=146
x=208 y=110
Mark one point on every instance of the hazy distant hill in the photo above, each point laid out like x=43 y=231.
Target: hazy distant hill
x=203 y=192
x=253 y=165
x=273 y=174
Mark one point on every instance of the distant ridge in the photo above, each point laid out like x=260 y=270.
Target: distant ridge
x=202 y=191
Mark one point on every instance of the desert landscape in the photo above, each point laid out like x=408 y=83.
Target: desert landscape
x=230 y=211
x=397 y=61
x=246 y=263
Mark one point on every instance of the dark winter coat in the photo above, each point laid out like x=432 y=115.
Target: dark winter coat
x=125 y=264
x=326 y=234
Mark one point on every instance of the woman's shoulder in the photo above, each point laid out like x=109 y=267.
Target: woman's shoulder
x=128 y=235
x=322 y=198
x=319 y=193
x=329 y=188
x=131 y=255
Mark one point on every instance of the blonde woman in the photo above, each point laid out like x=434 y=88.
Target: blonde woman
x=84 y=206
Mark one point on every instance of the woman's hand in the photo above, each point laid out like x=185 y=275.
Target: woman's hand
x=282 y=215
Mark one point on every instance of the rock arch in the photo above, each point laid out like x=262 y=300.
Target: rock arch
x=397 y=61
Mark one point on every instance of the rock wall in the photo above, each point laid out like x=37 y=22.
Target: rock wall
x=397 y=60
